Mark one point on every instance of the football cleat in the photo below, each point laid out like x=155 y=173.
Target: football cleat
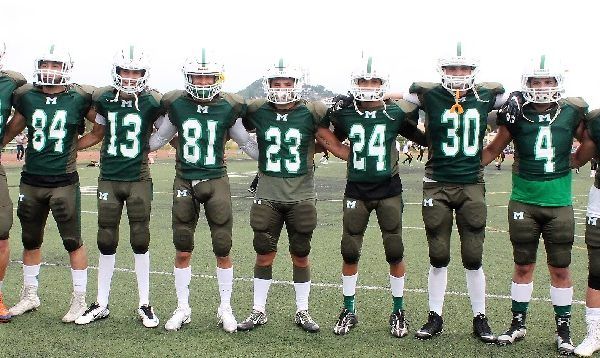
x=482 y=330
x=93 y=313
x=78 y=307
x=226 y=319
x=256 y=318
x=564 y=344
x=5 y=316
x=181 y=316
x=398 y=324
x=346 y=321
x=29 y=301
x=591 y=343
x=149 y=319
x=433 y=327
x=517 y=330
x=305 y=321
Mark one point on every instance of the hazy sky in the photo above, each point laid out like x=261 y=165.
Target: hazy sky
x=325 y=37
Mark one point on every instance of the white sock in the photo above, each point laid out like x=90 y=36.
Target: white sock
x=521 y=292
x=106 y=267
x=592 y=313
x=436 y=286
x=261 y=291
x=349 y=285
x=30 y=275
x=183 y=277
x=225 y=280
x=302 y=292
x=561 y=296
x=476 y=288
x=142 y=273
x=79 y=280
x=397 y=286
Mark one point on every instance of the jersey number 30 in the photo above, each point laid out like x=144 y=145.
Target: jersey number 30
x=468 y=140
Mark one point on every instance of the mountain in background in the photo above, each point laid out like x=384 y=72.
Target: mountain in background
x=311 y=93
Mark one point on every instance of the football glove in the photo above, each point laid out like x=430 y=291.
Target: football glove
x=512 y=109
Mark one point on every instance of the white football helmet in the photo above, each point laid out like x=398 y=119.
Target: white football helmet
x=282 y=69
x=130 y=58
x=50 y=77
x=541 y=67
x=458 y=58
x=207 y=66
x=368 y=70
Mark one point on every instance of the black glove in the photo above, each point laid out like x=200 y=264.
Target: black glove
x=512 y=109
x=342 y=101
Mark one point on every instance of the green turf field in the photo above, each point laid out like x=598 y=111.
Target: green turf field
x=41 y=333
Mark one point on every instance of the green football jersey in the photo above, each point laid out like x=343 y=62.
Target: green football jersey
x=9 y=82
x=286 y=146
x=455 y=140
x=202 y=128
x=543 y=141
x=52 y=121
x=372 y=136
x=124 y=151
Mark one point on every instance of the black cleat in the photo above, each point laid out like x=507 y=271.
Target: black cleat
x=564 y=343
x=516 y=331
x=398 y=324
x=433 y=327
x=346 y=321
x=482 y=330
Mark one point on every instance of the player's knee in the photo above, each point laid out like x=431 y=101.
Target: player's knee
x=472 y=263
x=560 y=259
x=394 y=248
x=183 y=239
x=350 y=249
x=300 y=245
x=107 y=241
x=221 y=243
x=72 y=243
x=439 y=261
x=594 y=281
x=140 y=241
x=31 y=241
x=61 y=209
x=263 y=243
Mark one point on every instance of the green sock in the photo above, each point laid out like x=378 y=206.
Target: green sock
x=349 y=303
x=562 y=310
x=519 y=306
x=398 y=304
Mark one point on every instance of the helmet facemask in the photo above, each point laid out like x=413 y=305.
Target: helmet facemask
x=60 y=76
x=130 y=58
x=283 y=95
x=203 y=66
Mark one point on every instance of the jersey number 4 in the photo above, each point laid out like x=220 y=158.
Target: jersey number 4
x=544 y=150
x=56 y=132
x=375 y=147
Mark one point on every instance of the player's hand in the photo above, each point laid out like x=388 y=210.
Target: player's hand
x=512 y=109
x=342 y=101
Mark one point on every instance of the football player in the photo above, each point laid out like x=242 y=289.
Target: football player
x=373 y=184
x=203 y=117
x=456 y=113
x=53 y=110
x=541 y=201
x=286 y=128
x=9 y=82
x=126 y=112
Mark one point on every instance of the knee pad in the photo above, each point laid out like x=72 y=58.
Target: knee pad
x=61 y=209
x=183 y=239
x=300 y=244
x=31 y=240
x=221 y=242
x=350 y=248
x=72 y=243
x=108 y=240
x=264 y=243
x=139 y=236
x=394 y=248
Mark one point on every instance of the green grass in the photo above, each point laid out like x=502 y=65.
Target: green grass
x=41 y=333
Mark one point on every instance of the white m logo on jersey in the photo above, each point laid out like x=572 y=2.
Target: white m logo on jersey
x=428 y=202
x=50 y=100
x=370 y=114
x=281 y=117
x=181 y=193
x=102 y=196
x=592 y=220
x=518 y=215
x=21 y=197
x=351 y=204
x=125 y=103
x=202 y=109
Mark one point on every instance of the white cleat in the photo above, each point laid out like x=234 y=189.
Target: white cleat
x=591 y=343
x=181 y=316
x=29 y=301
x=78 y=307
x=93 y=313
x=149 y=319
x=226 y=319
